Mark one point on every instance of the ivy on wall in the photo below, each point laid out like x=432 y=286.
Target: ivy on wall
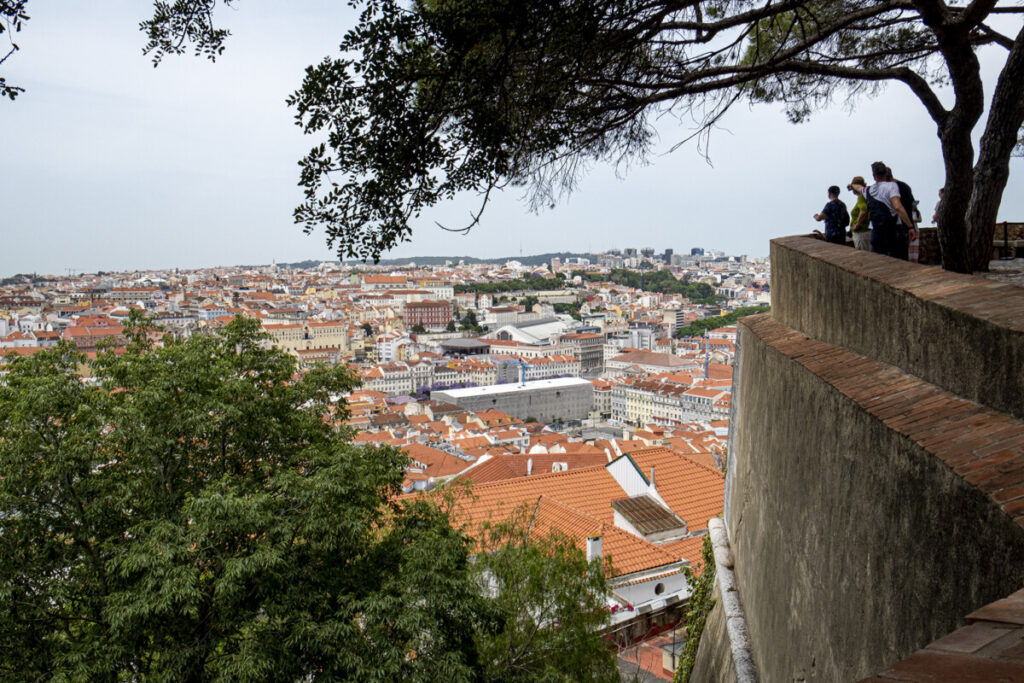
x=700 y=606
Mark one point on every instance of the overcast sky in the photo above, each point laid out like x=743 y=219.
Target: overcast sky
x=110 y=164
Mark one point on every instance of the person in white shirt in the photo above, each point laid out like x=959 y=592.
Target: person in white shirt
x=889 y=219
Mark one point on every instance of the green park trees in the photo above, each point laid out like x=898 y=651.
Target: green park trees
x=192 y=512
x=698 y=327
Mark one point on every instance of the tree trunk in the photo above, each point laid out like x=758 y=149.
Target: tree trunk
x=955 y=128
x=958 y=156
x=992 y=171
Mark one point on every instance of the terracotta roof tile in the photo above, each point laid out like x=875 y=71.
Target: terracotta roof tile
x=692 y=491
x=628 y=553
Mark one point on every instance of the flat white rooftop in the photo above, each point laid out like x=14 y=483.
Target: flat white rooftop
x=512 y=388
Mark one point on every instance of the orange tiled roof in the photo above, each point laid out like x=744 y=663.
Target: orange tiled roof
x=473 y=442
x=688 y=549
x=373 y=437
x=492 y=469
x=438 y=463
x=692 y=491
x=628 y=553
x=500 y=466
x=632 y=445
x=588 y=490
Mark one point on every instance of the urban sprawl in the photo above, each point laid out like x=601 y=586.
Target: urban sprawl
x=595 y=390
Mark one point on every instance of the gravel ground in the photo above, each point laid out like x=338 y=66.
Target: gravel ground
x=1010 y=271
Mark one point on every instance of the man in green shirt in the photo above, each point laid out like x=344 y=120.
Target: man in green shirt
x=859 y=223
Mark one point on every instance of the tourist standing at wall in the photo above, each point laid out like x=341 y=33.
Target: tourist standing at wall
x=910 y=204
x=889 y=234
x=859 y=223
x=835 y=216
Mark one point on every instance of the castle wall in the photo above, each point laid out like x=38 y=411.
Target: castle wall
x=874 y=488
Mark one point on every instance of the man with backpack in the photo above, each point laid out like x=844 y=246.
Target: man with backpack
x=836 y=217
x=890 y=222
x=910 y=204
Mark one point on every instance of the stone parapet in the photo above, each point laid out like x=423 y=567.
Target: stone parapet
x=959 y=332
x=875 y=485
x=855 y=539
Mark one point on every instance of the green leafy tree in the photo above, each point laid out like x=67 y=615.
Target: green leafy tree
x=12 y=18
x=517 y=285
x=451 y=326
x=418 y=329
x=450 y=96
x=191 y=513
x=544 y=634
x=700 y=606
x=697 y=327
x=470 y=322
x=572 y=309
x=663 y=281
x=367 y=330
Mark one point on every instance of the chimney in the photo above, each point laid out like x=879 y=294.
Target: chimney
x=652 y=477
x=594 y=548
x=529 y=467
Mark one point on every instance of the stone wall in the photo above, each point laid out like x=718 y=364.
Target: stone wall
x=714 y=658
x=870 y=505
x=960 y=332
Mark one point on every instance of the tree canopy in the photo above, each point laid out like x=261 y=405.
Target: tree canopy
x=697 y=327
x=440 y=97
x=662 y=281
x=12 y=17
x=530 y=282
x=192 y=512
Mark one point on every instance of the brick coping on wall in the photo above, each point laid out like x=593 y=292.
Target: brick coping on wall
x=981 y=444
x=989 y=648
x=984 y=447
x=996 y=302
x=963 y=333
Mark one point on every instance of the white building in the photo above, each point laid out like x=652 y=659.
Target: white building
x=547 y=400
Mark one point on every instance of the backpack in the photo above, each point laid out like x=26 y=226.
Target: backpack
x=878 y=211
x=844 y=217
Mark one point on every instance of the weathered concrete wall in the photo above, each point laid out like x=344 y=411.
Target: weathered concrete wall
x=962 y=333
x=853 y=545
x=870 y=505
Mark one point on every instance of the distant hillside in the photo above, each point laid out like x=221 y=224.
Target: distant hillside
x=534 y=260
x=24 y=279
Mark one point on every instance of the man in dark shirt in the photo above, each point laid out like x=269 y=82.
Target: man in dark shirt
x=910 y=206
x=832 y=214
